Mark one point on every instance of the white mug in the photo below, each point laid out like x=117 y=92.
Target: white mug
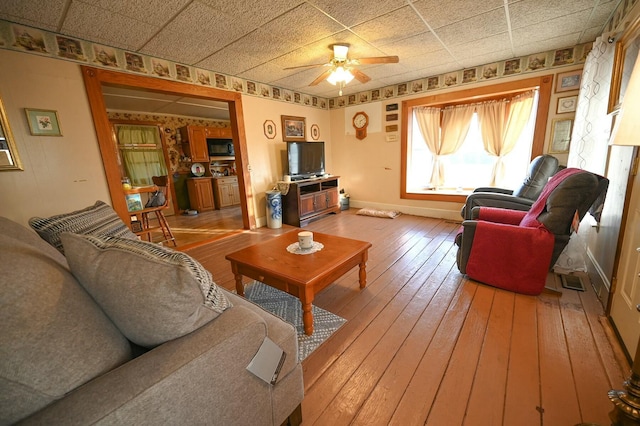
x=305 y=239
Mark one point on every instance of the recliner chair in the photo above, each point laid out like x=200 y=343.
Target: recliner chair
x=514 y=250
x=522 y=198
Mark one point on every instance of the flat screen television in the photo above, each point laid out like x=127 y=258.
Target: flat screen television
x=306 y=159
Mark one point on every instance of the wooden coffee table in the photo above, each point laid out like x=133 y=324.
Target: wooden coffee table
x=301 y=275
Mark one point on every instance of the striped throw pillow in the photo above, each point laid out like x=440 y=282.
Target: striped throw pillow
x=99 y=219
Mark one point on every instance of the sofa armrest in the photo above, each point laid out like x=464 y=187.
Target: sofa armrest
x=494 y=190
x=196 y=379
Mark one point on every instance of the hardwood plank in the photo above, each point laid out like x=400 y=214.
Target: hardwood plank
x=559 y=400
x=415 y=404
x=592 y=383
x=484 y=407
x=522 y=394
x=451 y=400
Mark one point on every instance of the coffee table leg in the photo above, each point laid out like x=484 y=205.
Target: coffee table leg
x=307 y=314
x=238 y=277
x=363 y=270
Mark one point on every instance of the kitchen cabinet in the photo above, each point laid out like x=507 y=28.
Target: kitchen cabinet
x=200 y=194
x=194 y=143
x=226 y=191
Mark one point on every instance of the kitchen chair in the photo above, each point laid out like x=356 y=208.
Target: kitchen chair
x=162 y=183
x=514 y=250
x=522 y=198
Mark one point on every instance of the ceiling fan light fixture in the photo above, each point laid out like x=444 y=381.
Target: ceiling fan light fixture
x=340 y=75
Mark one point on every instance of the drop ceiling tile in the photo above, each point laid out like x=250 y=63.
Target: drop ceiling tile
x=533 y=12
x=473 y=29
x=438 y=14
x=548 y=30
x=353 y=12
x=44 y=14
x=303 y=25
x=194 y=34
x=153 y=12
x=419 y=44
x=254 y=12
x=384 y=29
x=498 y=42
x=247 y=52
x=486 y=58
x=92 y=23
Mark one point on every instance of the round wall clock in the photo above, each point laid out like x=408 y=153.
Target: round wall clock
x=360 y=122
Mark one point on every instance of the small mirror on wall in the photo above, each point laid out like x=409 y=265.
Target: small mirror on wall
x=9 y=158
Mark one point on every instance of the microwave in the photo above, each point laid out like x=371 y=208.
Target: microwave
x=220 y=147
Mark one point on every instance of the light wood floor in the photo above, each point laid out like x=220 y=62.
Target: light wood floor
x=425 y=345
x=205 y=226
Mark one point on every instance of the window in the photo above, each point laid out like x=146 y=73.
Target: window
x=140 y=149
x=471 y=165
x=468 y=165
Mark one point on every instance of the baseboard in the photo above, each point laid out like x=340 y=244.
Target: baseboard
x=599 y=281
x=453 y=215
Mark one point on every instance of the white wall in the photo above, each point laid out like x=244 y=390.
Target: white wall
x=60 y=173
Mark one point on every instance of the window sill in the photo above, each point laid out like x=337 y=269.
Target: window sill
x=451 y=195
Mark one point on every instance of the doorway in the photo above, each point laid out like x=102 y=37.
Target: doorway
x=95 y=79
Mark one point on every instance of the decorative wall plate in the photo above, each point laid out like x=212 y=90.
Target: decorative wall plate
x=269 y=129
x=315 y=132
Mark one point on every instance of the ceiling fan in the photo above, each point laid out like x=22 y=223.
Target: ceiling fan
x=340 y=69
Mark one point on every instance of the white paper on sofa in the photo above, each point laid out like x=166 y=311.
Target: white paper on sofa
x=268 y=361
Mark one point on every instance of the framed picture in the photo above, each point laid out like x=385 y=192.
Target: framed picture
x=293 y=128
x=134 y=202
x=269 y=129
x=560 y=135
x=43 y=122
x=567 y=104
x=315 y=132
x=566 y=81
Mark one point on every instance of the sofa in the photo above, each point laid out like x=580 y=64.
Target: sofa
x=72 y=355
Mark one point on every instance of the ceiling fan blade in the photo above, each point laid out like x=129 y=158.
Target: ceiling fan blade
x=307 y=66
x=321 y=77
x=378 y=60
x=359 y=75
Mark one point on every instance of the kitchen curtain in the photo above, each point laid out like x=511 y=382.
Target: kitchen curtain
x=443 y=139
x=501 y=124
x=141 y=152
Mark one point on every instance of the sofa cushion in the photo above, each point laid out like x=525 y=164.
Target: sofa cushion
x=53 y=336
x=99 y=219
x=153 y=294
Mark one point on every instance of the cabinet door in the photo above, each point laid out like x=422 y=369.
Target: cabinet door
x=205 y=194
x=333 y=199
x=218 y=132
x=307 y=204
x=197 y=144
x=235 y=193
x=225 y=195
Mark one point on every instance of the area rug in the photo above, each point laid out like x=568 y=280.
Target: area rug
x=289 y=309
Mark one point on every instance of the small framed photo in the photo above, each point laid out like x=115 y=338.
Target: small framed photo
x=134 y=202
x=560 y=135
x=566 y=81
x=43 y=122
x=293 y=128
x=269 y=128
x=567 y=104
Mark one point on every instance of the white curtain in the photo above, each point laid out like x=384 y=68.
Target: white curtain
x=141 y=151
x=443 y=138
x=501 y=124
x=428 y=120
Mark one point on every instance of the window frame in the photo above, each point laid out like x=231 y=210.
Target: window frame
x=544 y=85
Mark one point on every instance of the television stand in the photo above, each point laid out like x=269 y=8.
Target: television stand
x=310 y=199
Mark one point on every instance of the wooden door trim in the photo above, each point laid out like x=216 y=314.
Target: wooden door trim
x=95 y=78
